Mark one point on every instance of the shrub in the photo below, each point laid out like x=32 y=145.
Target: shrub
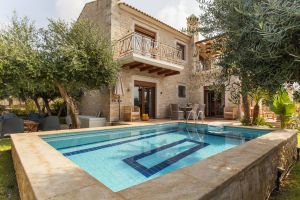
x=30 y=106
x=24 y=110
x=18 y=110
x=245 y=121
x=283 y=106
x=56 y=104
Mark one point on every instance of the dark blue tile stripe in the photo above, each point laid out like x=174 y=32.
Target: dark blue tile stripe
x=115 y=144
x=143 y=132
x=147 y=172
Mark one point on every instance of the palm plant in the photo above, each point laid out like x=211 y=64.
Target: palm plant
x=283 y=106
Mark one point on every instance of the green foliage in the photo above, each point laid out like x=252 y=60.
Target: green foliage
x=18 y=110
x=77 y=55
x=72 y=56
x=245 y=121
x=283 y=106
x=56 y=104
x=260 y=40
x=8 y=183
x=24 y=110
x=30 y=106
x=20 y=59
x=260 y=121
x=290 y=189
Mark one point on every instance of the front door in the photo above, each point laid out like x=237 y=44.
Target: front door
x=144 y=97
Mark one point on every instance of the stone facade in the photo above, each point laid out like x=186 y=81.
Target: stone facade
x=119 y=20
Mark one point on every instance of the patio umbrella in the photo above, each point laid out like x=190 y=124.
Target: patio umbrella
x=119 y=91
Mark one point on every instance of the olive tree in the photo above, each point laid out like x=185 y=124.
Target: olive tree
x=77 y=55
x=260 y=42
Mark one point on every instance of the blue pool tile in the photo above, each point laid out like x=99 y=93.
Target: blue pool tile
x=114 y=144
x=147 y=172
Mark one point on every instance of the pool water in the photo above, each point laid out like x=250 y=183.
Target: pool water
x=121 y=158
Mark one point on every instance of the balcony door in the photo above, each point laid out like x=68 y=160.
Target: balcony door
x=144 y=41
x=145 y=97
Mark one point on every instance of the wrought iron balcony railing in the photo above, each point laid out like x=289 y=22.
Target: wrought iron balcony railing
x=142 y=45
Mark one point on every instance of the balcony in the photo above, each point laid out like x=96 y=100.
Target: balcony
x=139 y=51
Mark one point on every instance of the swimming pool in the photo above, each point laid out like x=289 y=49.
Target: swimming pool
x=123 y=157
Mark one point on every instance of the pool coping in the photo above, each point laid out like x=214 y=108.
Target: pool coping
x=44 y=173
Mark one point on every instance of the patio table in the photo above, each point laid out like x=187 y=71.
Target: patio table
x=185 y=110
x=31 y=126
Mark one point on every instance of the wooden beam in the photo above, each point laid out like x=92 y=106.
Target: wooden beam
x=172 y=73
x=146 y=67
x=134 y=66
x=164 y=72
x=155 y=70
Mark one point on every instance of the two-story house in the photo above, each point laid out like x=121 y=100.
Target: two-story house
x=157 y=61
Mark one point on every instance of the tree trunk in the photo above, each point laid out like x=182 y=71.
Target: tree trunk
x=71 y=105
x=246 y=107
x=38 y=106
x=60 y=110
x=255 y=114
x=47 y=105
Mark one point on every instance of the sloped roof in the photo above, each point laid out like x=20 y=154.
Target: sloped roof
x=163 y=23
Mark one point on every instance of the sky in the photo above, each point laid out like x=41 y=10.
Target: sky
x=172 y=12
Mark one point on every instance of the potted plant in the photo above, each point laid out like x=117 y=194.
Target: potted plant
x=145 y=117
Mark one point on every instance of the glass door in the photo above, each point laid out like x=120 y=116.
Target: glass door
x=215 y=102
x=144 y=97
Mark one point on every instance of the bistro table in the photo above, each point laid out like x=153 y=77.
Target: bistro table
x=31 y=126
x=186 y=109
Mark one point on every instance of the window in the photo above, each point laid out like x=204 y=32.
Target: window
x=181 y=52
x=181 y=91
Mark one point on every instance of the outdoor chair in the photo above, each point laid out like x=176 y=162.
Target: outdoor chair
x=12 y=125
x=132 y=113
x=35 y=117
x=8 y=116
x=202 y=110
x=175 y=112
x=50 y=123
x=230 y=113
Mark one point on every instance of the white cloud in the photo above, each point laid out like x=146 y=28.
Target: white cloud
x=175 y=15
x=69 y=9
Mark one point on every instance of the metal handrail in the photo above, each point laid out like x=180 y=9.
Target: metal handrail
x=146 y=46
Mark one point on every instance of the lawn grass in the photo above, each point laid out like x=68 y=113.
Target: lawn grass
x=291 y=186
x=8 y=183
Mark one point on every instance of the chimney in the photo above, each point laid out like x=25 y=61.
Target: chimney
x=192 y=26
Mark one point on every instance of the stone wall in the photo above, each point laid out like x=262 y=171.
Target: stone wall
x=25 y=189
x=257 y=180
x=99 y=12
x=95 y=101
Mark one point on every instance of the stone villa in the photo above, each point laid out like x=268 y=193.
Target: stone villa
x=158 y=63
